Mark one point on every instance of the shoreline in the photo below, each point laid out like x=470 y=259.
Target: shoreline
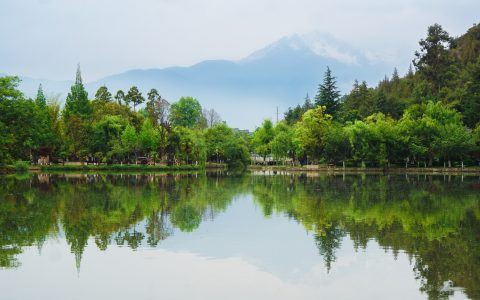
x=311 y=169
x=358 y=170
x=125 y=167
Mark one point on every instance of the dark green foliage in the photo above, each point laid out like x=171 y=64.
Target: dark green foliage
x=328 y=94
x=103 y=95
x=77 y=103
x=360 y=103
x=293 y=115
x=134 y=96
x=433 y=59
x=120 y=97
x=40 y=100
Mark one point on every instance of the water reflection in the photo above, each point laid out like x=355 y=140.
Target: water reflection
x=434 y=220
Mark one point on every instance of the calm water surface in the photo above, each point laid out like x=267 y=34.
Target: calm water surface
x=283 y=236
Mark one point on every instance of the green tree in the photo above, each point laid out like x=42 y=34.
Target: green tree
x=470 y=98
x=134 y=96
x=432 y=131
x=282 y=144
x=129 y=140
x=337 y=146
x=190 y=145
x=104 y=135
x=433 y=58
x=149 y=138
x=103 y=95
x=76 y=115
x=359 y=104
x=187 y=112
x=310 y=132
x=40 y=100
x=292 y=115
x=77 y=103
x=328 y=94
x=262 y=139
x=120 y=97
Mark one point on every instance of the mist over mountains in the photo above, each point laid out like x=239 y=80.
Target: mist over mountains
x=246 y=91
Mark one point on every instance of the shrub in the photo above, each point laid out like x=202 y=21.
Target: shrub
x=21 y=166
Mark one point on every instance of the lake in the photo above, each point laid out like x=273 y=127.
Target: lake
x=231 y=236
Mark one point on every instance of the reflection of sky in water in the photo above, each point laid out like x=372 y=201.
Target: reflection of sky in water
x=238 y=255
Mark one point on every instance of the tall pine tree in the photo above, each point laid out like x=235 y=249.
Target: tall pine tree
x=77 y=102
x=134 y=96
x=328 y=94
x=76 y=115
x=40 y=100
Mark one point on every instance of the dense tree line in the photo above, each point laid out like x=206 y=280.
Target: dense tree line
x=106 y=129
x=429 y=116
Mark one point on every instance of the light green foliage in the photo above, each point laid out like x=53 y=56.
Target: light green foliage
x=189 y=145
x=282 y=144
x=216 y=139
x=224 y=145
x=337 y=145
x=263 y=137
x=129 y=140
x=359 y=137
x=149 y=137
x=21 y=166
x=186 y=112
x=310 y=132
x=434 y=131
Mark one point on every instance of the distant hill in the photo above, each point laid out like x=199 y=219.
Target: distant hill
x=246 y=91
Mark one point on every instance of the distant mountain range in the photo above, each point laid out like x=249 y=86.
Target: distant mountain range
x=245 y=92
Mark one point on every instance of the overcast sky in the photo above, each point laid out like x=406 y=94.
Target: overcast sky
x=47 y=38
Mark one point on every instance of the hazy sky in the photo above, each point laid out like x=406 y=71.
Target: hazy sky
x=47 y=38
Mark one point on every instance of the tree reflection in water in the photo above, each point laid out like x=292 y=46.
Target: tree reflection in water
x=433 y=219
